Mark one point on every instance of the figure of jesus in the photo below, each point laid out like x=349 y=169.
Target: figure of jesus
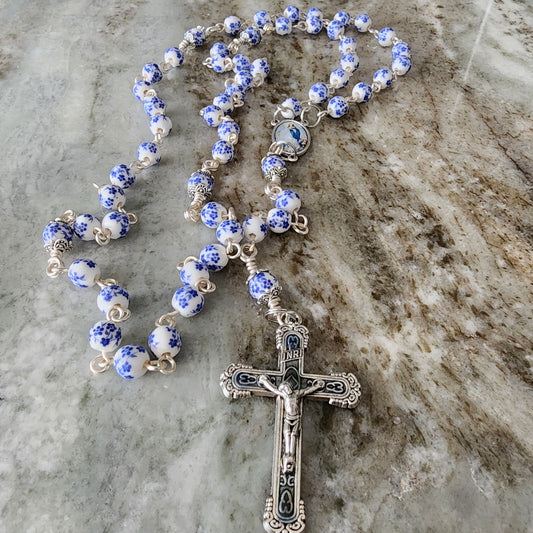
x=291 y=414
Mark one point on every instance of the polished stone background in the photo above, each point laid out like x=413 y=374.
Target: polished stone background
x=416 y=275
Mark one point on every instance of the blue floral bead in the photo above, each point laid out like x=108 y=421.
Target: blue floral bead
x=199 y=180
x=232 y=25
x=122 y=176
x=362 y=23
x=154 y=106
x=314 y=25
x=253 y=34
x=227 y=130
x=347 y=45
x=83 y=273
x=401 y=49
x=279 y=220
x=350 y=62
x=212 y=115
x=241 y=62
x=362 y=92
x=105 y=336
x=223 y=102
x=383 y=76
x=148 y=153
x=292 y=13
x=84 y=226
x=220 y=64
x=255 y=229
x=262 y=18
x=318 y=93
x=343 y=17
x=401 y=65
x=116 y=224
x=243 y=80
x=160 y=125
x=261 y=284
x=290 y=108
x=192 y=272
x=55 y=231
x=219 y=49
x=229 y=230
x=386 y=36
x=174 y=56
x=111 y=196
x=196 y=36
x=337 y=107
x=235 y=93
x=314 y=12
x=339 y=78
x=270 y=162
x=223 y=152
x=164 y=340
x=152 y=73
x=213 y=214
x=335 y=30
x=260 y=67
x=140 y=89
x=214 y=257
x=288 y=200
x=111 y=296
x=283 y=26
x=130 y=361
x=187 y=301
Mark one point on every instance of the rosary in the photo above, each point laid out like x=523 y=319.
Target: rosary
x=291 y=138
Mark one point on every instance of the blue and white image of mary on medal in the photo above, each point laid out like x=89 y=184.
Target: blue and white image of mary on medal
x=293 y=133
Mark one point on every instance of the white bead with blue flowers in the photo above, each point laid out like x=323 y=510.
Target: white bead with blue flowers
x=288 y=200
x=213 y=214
x=174 y=57
x=386 y=37
x=57 y=231
x=116 y=224
x=362 y=92
x=255 y=229
x=229 y=230
x=85 y=225
x=212 y=115
x=253 y=35
x=192 y=272
x=154 y=106
x=318 y=93
x=241 y=62
x=271 y=162
x=187 y=301
x=314 y=25
x=383 y=77
x=229 y=130
x=219 y=49
x=339 y=78
x=160 y=125
x=401 y=65
x=260 y=68
x=148 y=153
x=279 y=220
x=347 y=45
x=343 y=17
x=196 y=36
x=261 y=284
x=290 y=108
x=335 y=30
x=224 y=103
x=164 y=340
x=292 y=13
x=111 y=196
x=337 y=107
x=350 y=62
x=362 y=23
x=199 y=181
x=152 y=73
x=232 y=25
x=111 y=296
x=140 y=89
x=401 y=49
x=214 y=257
x=122 y=176
x=84 y=273
x=283 y=26
x=223 y=152
x=315 y=12
x=130 y=361
x=262 y=18
x=105 y=336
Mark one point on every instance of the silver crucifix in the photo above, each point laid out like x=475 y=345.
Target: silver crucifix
x=284 y=511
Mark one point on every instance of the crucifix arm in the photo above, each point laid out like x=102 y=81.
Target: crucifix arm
x=317 y=385
x=267 y=384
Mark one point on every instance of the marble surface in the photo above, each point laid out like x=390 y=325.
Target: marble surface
x=416 y=275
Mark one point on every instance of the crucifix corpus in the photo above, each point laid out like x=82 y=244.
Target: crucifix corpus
x=284 y=511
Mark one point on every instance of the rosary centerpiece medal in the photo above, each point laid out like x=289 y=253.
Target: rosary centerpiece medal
x=293 y=136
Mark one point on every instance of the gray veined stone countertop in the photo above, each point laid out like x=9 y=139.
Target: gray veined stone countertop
x=416 y=276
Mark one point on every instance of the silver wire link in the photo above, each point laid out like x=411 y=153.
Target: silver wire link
x=55 y=267
x=102 y=238
x=132 y=217
x=205 y=286
x=103 y=283
x=319 y=114
x=233 y=250
x=101 y=363
x=118 y=314
x=168 y=319
x=216 y=28
x=248 y=255
x=181 y=264
x=68 y=217
x=165 y=364
x=300 y=223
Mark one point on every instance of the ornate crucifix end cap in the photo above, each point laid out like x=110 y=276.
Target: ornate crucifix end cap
x=226 y=382
x=273 y=525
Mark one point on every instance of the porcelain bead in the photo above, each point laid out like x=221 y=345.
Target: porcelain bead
x=130 y=361
x=196 y=36
x=315 y=12
x=261 y=284
x=212 y=115
x=255 y=229
x=318 y=93
x=232 y=25
x=174 y=57
x=243 y=80
x=272 y=161
x=213 y=214
x=386 y=36
x=260 y=67
x=164 y=340
x=111 y=296
x=111 y=196
x=220 y=64
x=253 y=34
x=192 y=272
x=401 y=49
x=188 y=301
x=279 y=220
x=362 y=23
x=401 y=65
x=337 y=107
x=262 y=18
x=350 y=62
x=292 y=13
x=314 y=25
x=362 y=92
x=229 y=230
x=335 y=30
x=241 y=62
x=347 y=45
x=55 y=231
x=152 y=73
x=291 y=108
x=83 y=273
x=140 y=89
x=383 y=76
x=223 y=152
x=343 y=17
x=214 y=257
x=117 y=224
x=223 y=102
x=199 y=180
x=154 y=106
x=288 y=200
x=148 y=153
x=283 y=26
x=219 y=49
x=339 y=78
x=105 y=336
x=160 y=124
x=84 y=226
x=122 y=176
x=227 y=130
